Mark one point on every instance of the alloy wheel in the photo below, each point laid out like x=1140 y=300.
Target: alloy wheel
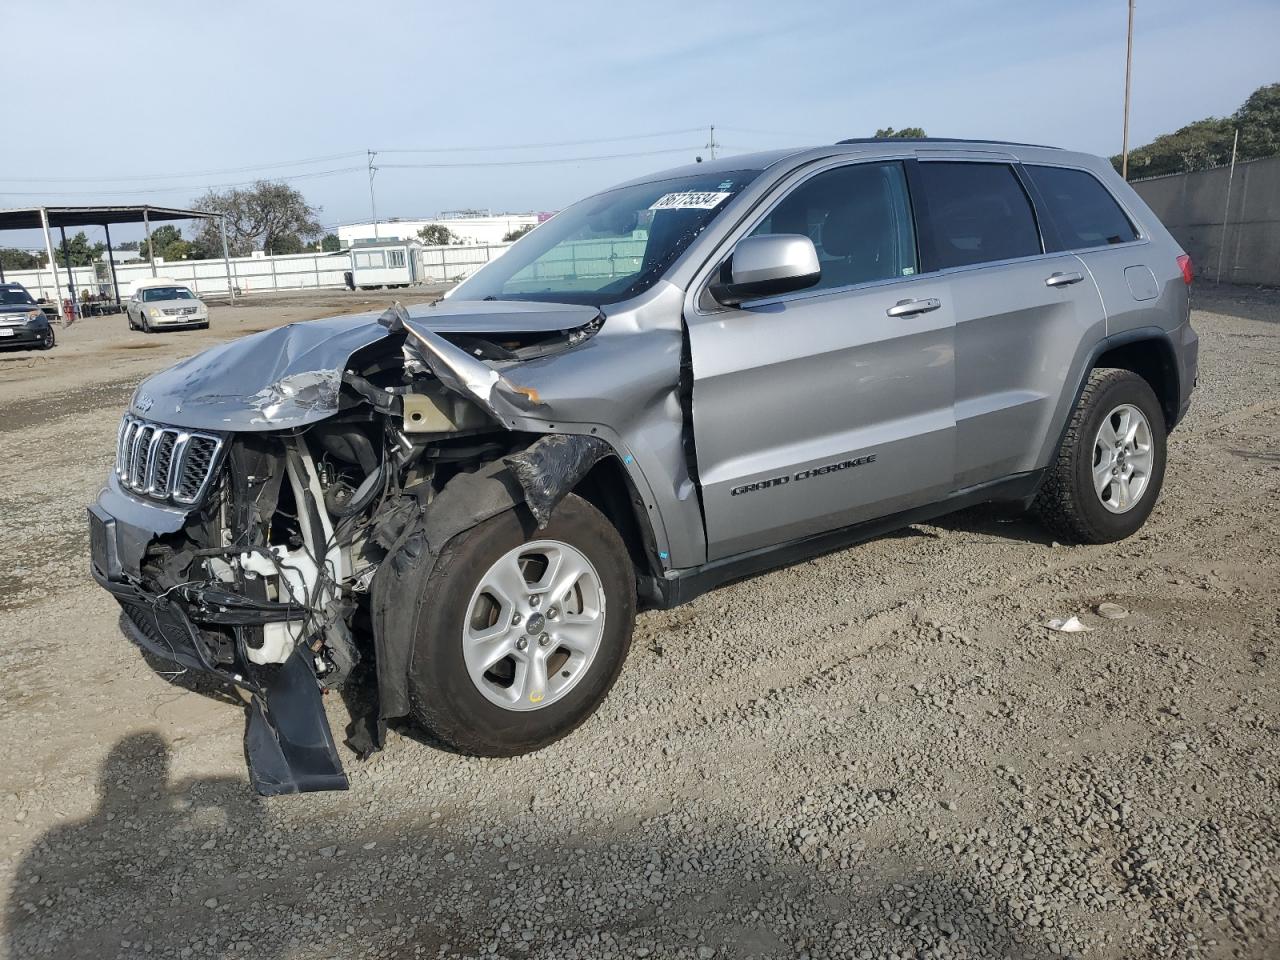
x=533 y=625
x=1123 y=458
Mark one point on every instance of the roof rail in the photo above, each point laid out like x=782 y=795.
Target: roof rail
x=998 y=143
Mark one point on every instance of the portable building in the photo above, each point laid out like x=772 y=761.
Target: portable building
x=386 y=263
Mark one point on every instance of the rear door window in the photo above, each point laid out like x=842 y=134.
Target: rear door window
x=978 y=213
x=859 y=219
x=1082 y=209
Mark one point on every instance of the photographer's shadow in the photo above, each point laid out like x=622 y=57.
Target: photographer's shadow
x=91 y=888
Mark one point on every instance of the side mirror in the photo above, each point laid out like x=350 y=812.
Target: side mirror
x=766 y=266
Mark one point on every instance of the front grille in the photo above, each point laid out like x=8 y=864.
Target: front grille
x=178 y=311
x=165 y=463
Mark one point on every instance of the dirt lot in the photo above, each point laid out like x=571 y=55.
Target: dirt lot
x=881 y=753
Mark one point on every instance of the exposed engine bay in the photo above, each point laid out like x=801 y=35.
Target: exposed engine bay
x=293 y=547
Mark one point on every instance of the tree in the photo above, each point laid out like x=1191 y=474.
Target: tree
x=11 y=258
x=162 y=239
x=906 y=133
x=79 y=250
x=329 y=243
x=1197 y=146
x=285 y=244
x=261 y=217
x=437 y=235
x=1207 y=143
x=517 y=233
x=1259 y=121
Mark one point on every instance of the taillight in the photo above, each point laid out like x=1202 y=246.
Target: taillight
x=1188 y=272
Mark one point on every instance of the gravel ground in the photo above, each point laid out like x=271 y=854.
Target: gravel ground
x=880 y=753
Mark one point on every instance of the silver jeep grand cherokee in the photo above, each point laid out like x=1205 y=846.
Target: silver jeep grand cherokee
x=686 y=379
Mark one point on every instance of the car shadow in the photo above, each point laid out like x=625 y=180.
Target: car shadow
x=199 y=867
x=1002 y=521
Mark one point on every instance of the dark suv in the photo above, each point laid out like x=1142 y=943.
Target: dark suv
x=22 y=322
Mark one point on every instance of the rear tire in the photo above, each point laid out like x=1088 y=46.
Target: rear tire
x=463 y=705
x=1110 y=467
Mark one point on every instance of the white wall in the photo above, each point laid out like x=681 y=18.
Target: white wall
x=471 y=230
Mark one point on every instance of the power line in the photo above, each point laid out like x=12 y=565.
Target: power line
x=538 y=146
x=775 y=133
x=329 y=158
x=538 y=162
x=181 y=188
x=179 y=176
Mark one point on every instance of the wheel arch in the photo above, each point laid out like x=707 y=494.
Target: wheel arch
x=609 y=488
x=535 y=478
x=1150 y=355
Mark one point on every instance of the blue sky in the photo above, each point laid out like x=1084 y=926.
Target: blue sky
x=170 y=94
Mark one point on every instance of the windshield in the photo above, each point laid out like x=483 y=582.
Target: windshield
x=167 y=293
x=15 y=295
x=608 y=247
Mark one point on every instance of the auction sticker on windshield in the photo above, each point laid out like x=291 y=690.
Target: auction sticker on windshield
x=690 y=200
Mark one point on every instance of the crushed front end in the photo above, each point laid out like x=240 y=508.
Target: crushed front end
x=258 y=490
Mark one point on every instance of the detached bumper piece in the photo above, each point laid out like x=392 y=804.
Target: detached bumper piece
x=288 y=744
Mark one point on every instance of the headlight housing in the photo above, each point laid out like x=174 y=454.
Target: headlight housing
x=34 y=315
x=154 y=312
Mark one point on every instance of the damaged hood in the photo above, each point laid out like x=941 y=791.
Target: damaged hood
x=291 y=376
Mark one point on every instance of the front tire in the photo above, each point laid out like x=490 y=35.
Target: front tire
x=522 y=632
x=49 y=340
x=1110 y=466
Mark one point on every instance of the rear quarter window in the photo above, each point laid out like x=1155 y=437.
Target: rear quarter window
x=1081 y=208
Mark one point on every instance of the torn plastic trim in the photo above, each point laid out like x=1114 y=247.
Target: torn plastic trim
x=552 y=466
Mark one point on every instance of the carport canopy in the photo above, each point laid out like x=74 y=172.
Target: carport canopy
x=48 y=218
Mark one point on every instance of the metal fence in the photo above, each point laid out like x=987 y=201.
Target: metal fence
x=1228 y=221
x=303 y=271
x=249 y=274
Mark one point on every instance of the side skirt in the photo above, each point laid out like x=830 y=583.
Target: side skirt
x=691 y=583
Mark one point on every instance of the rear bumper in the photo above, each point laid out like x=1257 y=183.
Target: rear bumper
x=1186 y=349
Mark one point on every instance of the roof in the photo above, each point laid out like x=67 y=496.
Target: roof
x=763 y=160
x=28 y=218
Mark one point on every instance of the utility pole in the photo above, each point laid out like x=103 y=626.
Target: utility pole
x=711 y=144
x=1128 y=74
x=373 y=208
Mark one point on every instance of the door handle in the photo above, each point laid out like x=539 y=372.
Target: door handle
x=909 y=308
x=1063 y=279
